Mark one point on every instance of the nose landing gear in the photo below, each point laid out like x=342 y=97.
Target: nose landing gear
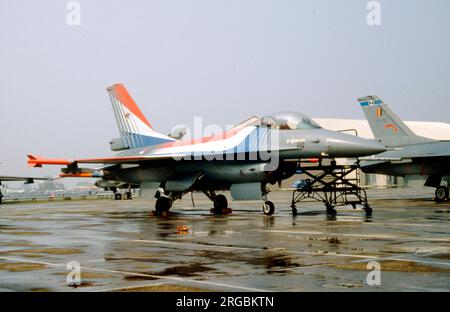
x=268 y=208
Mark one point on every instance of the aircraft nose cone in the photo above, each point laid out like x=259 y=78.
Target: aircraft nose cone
x=371 y=148
x=352 y=146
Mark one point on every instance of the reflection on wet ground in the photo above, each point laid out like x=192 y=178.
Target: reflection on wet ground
x=121 y=246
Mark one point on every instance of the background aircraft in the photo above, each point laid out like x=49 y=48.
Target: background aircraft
x=27 y=180
x=410 y=154
x=244 y=159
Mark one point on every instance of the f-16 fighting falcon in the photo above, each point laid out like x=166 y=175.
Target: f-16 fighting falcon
x=243 y=159
x=410 y=154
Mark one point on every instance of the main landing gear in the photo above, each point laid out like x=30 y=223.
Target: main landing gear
x=442 y=194
x=220 y=203
x=163 y=205
x=165 y=200
x=118 y=196
x=334 y=185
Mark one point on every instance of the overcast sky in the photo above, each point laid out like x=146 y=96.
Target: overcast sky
x=222 y=60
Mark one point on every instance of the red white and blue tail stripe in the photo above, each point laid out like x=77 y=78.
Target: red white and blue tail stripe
x=135 y=130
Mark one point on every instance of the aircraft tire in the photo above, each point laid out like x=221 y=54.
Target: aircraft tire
x=268 y=208
x=220 y=203
x=162 y=205
x=442 y=194
x=117 y=196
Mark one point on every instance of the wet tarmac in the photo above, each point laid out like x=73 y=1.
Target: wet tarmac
x=121 y=246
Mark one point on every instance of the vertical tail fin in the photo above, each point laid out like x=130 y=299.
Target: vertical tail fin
x=135 y=130
x=386 y=126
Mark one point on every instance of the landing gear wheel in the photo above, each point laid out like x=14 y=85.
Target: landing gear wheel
x=117 y=196
x=331 y=211
x=128 y=195
x=442 y=194
x=162 y=205
x=269 y=208
x=221 y=204
x=220 y=201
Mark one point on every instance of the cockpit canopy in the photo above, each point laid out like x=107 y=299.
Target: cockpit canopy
x=289 y=121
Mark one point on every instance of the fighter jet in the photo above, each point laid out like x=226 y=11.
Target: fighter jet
x=27 y=180
x=243 y=159
x=409 y=153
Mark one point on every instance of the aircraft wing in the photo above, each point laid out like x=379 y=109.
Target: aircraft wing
x=418 y=151
x=35 y=161
x=26 y=179
x=380 y=159
x=125 y=159
x=431 y=154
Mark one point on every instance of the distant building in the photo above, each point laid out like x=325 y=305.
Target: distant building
x=433 y=130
